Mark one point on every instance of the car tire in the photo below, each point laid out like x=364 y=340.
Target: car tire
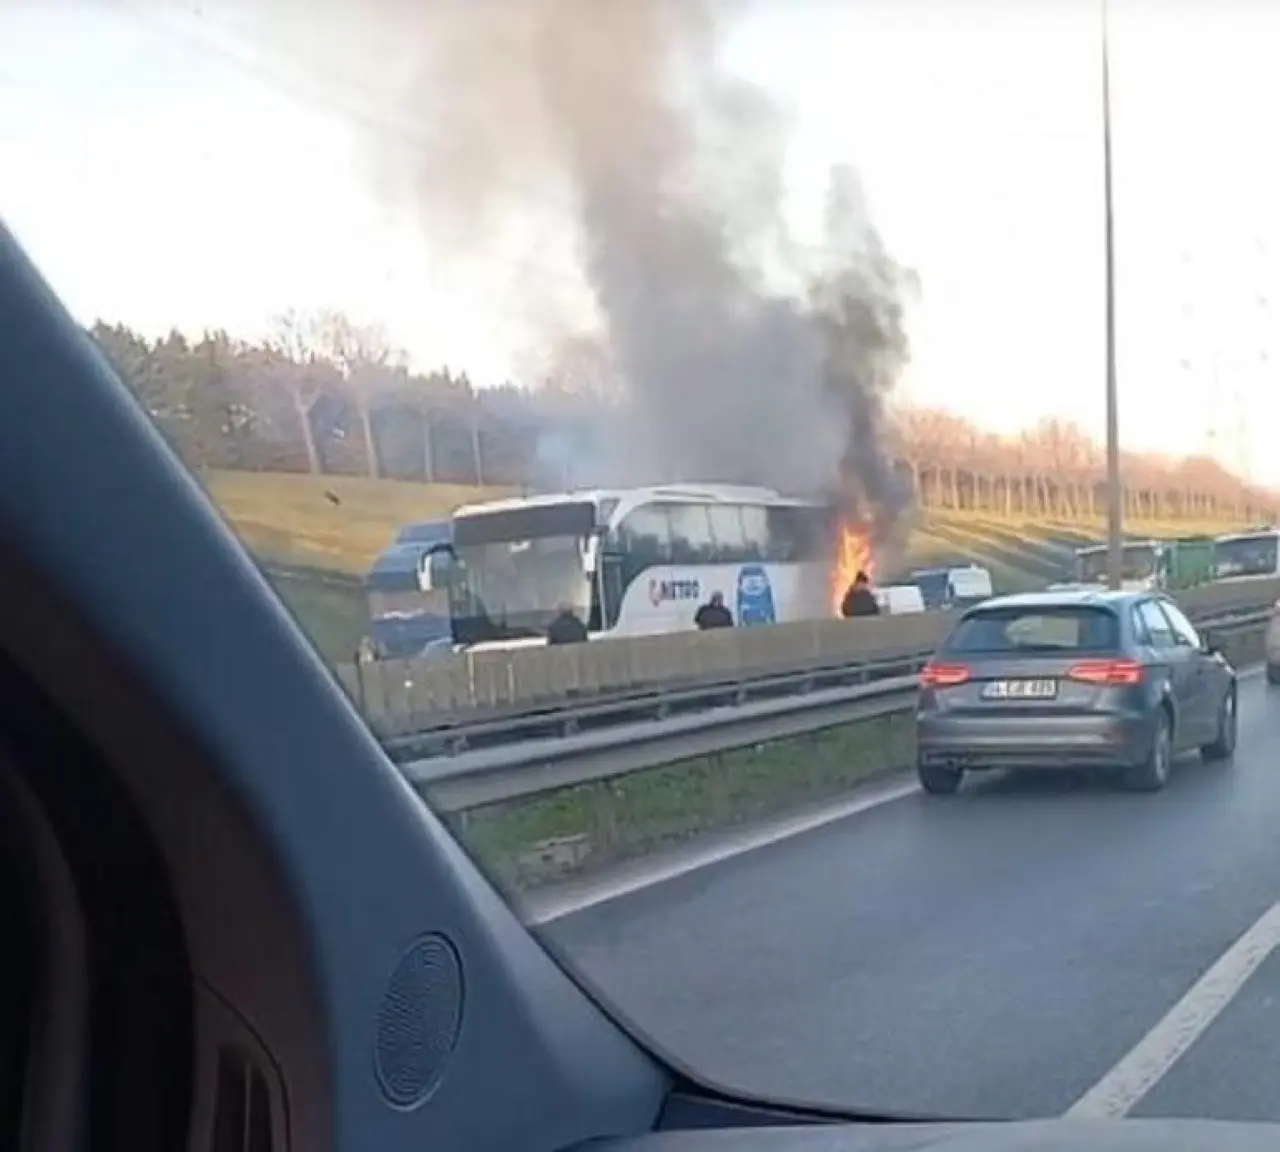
x=1224 y=743
x=1273 y=674
x=938 y=780
x=1153 y=773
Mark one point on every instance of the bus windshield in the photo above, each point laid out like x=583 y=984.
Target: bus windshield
x=1247 y=556
x=509 y=589
x=1137 y=562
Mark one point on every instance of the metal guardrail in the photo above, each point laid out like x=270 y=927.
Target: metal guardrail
x=472 y=779
x=470 y=699
x=570 y=717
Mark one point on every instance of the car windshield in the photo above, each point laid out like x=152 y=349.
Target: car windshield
x=704 y=308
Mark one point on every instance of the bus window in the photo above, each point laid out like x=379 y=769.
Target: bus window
x=691 y=539
x=755 y=532
x=786 y=534
x=1248 y=556
x=726 y=524
x=644 y=540
x=798 y=534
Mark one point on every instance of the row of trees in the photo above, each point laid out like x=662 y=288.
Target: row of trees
x=324 y=395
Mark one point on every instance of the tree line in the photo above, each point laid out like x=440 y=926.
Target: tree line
x=323 y=395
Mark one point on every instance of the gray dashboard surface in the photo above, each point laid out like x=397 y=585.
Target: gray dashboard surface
x=1019 y=1136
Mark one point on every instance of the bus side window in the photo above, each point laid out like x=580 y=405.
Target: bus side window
x=645 y=536
x=781 y=545
x=691 y=539
x=643 y=540
x=755 y=532
x=796 y=535
x=726 y=524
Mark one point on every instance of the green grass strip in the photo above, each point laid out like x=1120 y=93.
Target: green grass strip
x=530 y=842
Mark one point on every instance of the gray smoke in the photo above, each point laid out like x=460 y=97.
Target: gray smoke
x=616 y=113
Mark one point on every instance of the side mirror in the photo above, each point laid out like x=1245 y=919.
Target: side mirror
x=435 y=571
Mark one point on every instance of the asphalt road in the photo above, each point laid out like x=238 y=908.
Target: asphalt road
x=994 y=954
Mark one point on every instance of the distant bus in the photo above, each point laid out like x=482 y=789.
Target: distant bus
x=405 y=619
x=1247 y=555
x=1140 y=562
x=634 y=562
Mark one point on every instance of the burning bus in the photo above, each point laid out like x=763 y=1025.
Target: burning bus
x=639 y=561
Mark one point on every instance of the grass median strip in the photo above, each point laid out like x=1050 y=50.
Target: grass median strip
x=539 y=840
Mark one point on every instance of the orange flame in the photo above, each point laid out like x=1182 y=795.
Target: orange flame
x=853 y=555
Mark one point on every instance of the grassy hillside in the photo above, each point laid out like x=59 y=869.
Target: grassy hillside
x=317 y=549
x=292 y=519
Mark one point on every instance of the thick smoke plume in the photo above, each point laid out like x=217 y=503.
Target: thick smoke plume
x=616 y=109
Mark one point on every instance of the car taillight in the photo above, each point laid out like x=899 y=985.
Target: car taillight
x=1111 y=673
x=943 y=675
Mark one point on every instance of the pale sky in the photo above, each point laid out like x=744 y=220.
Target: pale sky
x=163 y=171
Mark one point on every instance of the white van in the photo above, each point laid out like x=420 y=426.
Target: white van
x=969 y=585
x=899 y=599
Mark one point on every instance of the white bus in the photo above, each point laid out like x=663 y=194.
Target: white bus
x=1247 y=555
x=634 y=562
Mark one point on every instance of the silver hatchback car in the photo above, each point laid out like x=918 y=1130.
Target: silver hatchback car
x=1073 y=679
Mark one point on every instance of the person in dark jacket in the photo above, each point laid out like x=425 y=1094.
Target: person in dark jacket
x=566 y=628
x=713 y=614
x=860 y=600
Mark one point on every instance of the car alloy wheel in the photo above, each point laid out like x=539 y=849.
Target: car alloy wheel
x=1228 y=724
x=1161 y=753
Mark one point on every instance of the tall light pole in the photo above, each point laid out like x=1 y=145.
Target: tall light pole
x=1115 y=491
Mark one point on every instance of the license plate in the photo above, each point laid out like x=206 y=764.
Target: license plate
x=1021 y=690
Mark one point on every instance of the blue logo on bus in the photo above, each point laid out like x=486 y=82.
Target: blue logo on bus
x=755 y=597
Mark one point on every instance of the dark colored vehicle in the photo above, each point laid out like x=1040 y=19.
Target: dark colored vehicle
x=1073 y=679
x=404 y=620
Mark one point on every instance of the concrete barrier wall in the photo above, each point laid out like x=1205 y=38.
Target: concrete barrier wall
x=403 y=696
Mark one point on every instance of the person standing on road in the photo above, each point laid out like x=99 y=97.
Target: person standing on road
x=860 y=600
x=713 y=614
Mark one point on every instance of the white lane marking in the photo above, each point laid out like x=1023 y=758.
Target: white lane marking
x=1147 y=1062
x=574 y=898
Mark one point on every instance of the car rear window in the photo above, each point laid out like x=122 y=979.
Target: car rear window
x=1037 y=629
